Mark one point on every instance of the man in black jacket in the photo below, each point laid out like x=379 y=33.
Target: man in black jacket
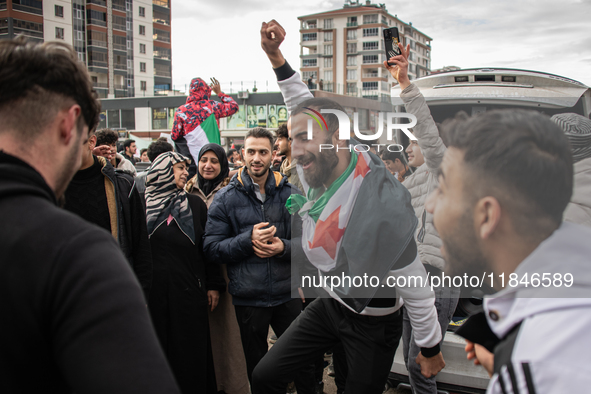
x=249 y=229
x=73 y=315
x=108 y=198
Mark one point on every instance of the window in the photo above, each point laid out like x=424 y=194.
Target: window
x=81 y=56
x=351 y=88
x=142 y=67
x=370 y=19
x=129 y=64
x=143 y=86
x=328 y=75
x=351 y=34
x=373 y=31
x=351 y=74
x=127 y=25
x=142 y=30
x=328 y=49
x=79 y=36
x=328 y=36
x=309 y=63
x=352 y=48
x=309 y=37
x=59 y=11
x=78 y=14
x=328 y=62
x=384 y=20
x=351 y=60
x=370 y=86
x=328 y=23
x=59 y=33
x=142 y=48
x=95 y=38
x=143 y=13
x=351 y=21
x=96 y=17
x=129 y=44
x=371 y=45
x=368 y=59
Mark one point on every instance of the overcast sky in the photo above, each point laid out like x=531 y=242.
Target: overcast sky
x=221 y=37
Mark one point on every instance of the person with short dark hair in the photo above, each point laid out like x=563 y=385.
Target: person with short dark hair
x=577 y=129
x=397 y=165
x=144 y=156
x=108 y=138
x=154 y=150
x=288 y=166
x=108 y=198
x=129 y=149
x=73 y=315
x=356 y=220
x=249 y=229
x=504 y=183
x=230 y=155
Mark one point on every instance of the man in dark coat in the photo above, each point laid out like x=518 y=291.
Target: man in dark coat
x=249 y=229
x=73 y=315
x=108 y=198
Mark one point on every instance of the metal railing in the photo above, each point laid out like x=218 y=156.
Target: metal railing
x=26 y=8
x=100 y=85
x=351 y=24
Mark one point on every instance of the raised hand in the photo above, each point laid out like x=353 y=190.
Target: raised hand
x=215 y=86
x=400 y=69
x=272 y=35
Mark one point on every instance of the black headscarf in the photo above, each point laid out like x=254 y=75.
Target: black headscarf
x=206 y=185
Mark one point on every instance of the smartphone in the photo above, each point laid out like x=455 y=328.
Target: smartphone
x=391 y=40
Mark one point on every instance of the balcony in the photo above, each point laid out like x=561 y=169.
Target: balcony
x=98 y=2
x=162 y=55
x=26 y=8
x=161 y=37
x=161 y=21
x=309 y=37
x=370 y=75
x=100 y=85
x=96 y=63
x=351 y=24
x=120 y=87
x=161 y=3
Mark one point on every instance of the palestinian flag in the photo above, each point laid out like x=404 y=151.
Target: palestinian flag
x=207 y=132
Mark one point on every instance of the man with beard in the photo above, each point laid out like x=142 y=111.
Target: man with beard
x=249 y=229
x=504 y=183
x=288 y=167
x=357 y=222
x=73 y=316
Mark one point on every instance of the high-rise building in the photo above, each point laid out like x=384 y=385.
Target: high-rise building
x=345 y=49
x=125 y=44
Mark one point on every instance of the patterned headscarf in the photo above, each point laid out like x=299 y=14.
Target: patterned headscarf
x=577 y=128
x=164 y=198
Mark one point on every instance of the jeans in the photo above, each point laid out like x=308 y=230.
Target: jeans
x=369 y=344
x=446 y=300
x=254 y=327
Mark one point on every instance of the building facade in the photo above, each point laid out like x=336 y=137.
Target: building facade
x=345 y=49
x=125 y=44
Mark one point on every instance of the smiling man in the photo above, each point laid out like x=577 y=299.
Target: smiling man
x=357 y=222
x=249 y=229
x=504 y=183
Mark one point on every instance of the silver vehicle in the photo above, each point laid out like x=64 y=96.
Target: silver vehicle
x=474 y=91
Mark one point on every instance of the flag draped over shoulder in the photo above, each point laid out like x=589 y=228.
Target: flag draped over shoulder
x=357 y=227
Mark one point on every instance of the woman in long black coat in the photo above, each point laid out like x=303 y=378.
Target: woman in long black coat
x=183 y=285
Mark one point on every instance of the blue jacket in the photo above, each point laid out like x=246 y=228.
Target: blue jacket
x=235 y=210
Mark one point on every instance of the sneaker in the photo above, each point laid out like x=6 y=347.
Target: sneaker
x=273 y=338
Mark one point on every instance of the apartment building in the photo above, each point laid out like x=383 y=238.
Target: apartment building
x=345 y=49
x=125 y=44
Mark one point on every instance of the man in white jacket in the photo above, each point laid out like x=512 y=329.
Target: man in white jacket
x=504 y=183
x=369 y=328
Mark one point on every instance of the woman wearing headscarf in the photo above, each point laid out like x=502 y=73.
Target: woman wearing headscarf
x=184 y=287
x=228 y=356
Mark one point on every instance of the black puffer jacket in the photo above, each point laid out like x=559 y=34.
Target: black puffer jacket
x=235 y=210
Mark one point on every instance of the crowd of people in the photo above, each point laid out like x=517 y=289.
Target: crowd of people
x=168 y=280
